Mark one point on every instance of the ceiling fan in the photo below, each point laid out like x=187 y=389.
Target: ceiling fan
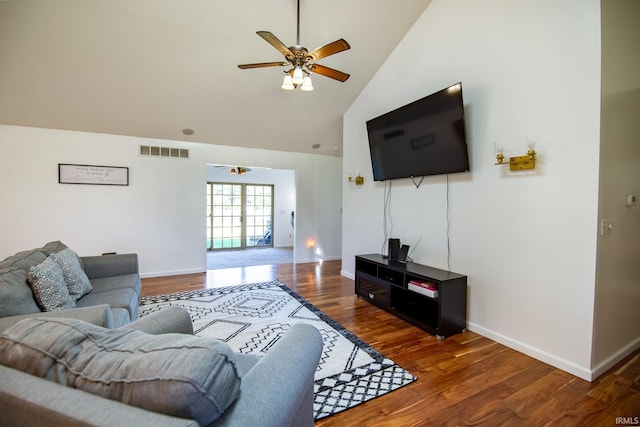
x=301 y=60
x=235 y=170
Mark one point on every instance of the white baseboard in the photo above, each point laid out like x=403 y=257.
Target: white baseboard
x=536 y=353
x=612 y=360
x=171 y=273
x=347 y=275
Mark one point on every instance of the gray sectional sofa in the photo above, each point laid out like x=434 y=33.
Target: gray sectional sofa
x=97 y=365
x=274 y=391
x=114 y=281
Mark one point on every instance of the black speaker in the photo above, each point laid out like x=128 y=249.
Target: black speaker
x=394 y=249
x=404 y=251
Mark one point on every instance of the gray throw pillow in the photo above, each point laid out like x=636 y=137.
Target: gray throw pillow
x=77 y=281
x=174 y=374
x=48 y=286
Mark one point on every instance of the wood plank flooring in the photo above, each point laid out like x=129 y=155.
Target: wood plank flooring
x=464 y=380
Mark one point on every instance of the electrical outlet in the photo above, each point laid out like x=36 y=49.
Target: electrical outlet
x=606 y=226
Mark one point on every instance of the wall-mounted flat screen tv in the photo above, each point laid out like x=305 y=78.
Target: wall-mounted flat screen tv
x=425 y=137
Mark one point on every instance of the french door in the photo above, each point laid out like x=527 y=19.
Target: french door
x=239 y=215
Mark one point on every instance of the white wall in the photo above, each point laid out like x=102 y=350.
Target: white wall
x=617 y=318
x=284 y=196
x=161 y=215
x=526 y=241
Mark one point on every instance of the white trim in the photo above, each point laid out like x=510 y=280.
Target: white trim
x=348 y=275
x=612 y=360
x=171 y=273
x=543 y=356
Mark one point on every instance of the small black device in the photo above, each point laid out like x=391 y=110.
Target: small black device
x=394 y=249
x=404 y=252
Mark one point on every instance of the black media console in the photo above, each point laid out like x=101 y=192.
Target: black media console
x=386 y=284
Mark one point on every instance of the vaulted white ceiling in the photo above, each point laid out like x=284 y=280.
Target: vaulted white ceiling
x=152 y=68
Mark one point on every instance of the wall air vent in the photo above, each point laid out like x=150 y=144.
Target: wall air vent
x=177 y=153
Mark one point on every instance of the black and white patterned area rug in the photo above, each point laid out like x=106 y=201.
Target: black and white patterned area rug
x=251 y=317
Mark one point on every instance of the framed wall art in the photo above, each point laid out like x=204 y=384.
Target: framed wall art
x=95 y=175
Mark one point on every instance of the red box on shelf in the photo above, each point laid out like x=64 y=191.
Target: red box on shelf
x=427 y=289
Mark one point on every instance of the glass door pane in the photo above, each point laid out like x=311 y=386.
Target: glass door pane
x=224 y=211
x=259 y=208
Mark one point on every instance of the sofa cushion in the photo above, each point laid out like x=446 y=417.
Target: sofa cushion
x=116 y=298
x=16 y=296
x=174 y=374
x=49 y=288
x=125 y=281
x=77 y=281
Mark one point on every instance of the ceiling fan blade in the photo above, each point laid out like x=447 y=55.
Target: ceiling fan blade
x=328 y=72
x=275 y=42
x=263 y=64
x=329 y=49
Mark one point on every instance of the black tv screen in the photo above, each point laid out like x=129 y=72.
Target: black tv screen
x=425 y=137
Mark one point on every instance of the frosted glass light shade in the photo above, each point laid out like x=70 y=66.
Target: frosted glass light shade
x=307 y=86
x=298 y=76
x=287 y=83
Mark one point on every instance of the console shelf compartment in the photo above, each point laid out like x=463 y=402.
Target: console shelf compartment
x=385 y=284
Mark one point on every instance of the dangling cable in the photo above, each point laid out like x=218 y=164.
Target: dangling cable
x=448 y=230
x=389 y=210
x=386 y=211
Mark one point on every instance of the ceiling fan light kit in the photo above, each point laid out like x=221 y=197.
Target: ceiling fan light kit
x=301 y=60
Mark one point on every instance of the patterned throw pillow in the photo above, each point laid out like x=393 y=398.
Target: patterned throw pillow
x=77 y=281
x=49 y=288
x=175 y=374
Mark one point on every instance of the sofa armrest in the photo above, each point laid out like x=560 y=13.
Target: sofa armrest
x=110 y=265
x=100 y=315
x=29 y=400
x=168 y=320
x=278 y=390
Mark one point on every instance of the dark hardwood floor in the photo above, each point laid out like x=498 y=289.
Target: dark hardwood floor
x=463 y=380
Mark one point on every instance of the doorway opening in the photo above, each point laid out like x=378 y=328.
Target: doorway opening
x=249 y=216
x=239 y=216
